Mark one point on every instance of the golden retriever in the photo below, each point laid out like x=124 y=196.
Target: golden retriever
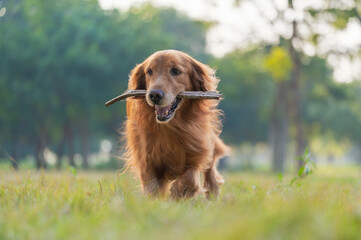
x=169 y=140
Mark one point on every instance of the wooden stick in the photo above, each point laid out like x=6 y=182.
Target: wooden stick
x=185 y=94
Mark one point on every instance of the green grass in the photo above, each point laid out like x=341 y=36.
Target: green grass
x=69 y=205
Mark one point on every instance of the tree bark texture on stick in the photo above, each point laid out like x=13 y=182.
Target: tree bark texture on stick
x=185 y=94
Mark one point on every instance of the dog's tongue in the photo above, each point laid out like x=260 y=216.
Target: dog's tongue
x=162 y=111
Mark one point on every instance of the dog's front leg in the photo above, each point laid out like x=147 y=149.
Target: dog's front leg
x=187 y=185
x=154 y=186
x=212 y=180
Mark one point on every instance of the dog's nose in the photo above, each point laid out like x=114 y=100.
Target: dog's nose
x=156 y=95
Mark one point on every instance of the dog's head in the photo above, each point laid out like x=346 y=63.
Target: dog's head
x=167 y=73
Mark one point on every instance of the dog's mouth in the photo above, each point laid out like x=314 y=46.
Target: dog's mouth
x=164 y=114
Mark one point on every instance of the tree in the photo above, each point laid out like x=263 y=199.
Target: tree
x=247 y=91
x=296 y=43
x=279 y=64
x=61 y=61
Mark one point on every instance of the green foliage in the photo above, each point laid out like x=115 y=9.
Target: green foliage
x=340 y=110
x=278 y=63
x=308 y=166
x=341 y=17
x=247 y=90
x=89 y=206
x=337 y=13
x=72 y=170
x=60 y=61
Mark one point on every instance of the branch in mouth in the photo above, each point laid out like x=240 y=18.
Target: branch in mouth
x=185 y=94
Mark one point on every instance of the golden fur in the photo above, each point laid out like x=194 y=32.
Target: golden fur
x=170 y=155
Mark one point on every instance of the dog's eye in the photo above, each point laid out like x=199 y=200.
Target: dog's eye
x=150 y=72
x=175 y=71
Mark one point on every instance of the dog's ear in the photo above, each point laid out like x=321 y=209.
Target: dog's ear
x=203 y=77
x=137 y=78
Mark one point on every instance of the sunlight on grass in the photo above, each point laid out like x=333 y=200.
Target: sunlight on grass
x=51 y=205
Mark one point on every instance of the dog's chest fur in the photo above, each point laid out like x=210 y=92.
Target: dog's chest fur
x=168 y=149
x=171 y=152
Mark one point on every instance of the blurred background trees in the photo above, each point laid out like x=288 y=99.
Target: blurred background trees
x=60 y=61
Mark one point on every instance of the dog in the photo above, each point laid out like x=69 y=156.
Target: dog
x=169 y=140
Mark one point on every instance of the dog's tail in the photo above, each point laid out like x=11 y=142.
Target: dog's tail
x=221 y=149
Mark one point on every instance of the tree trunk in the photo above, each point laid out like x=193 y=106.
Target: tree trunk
x=357 y=14
x=279 y=128
x=60 y=153
x=359 y=152
x=40 y=147
x=70 y=141
x=296 y=104
x=296 y=94
x=14 y=157
x=85 y=145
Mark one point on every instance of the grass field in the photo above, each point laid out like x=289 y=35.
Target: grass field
x=83 y=205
